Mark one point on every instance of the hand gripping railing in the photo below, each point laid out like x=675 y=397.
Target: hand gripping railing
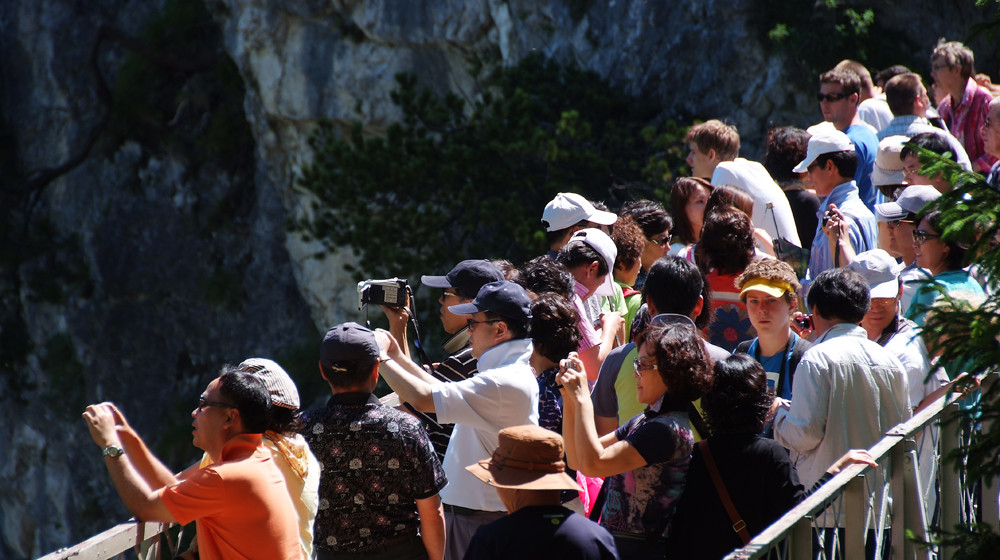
x=850 y=496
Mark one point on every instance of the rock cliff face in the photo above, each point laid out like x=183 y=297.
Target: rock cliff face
x=145 y=194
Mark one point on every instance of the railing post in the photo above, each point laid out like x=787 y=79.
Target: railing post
x=907 y=503
x=951 y=489
x=855 y=526
x=801 y=539
x=990 y=508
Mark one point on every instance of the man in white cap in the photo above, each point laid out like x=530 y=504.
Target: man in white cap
x=846 y=226
x=590 y=257
x=886 y=326
x=568 y=213
x=528 y=471
x=901 y=218
x=889 y=181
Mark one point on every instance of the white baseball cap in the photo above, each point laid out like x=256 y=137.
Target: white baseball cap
x=568 y=209
x=880 y=270
x=888 y=168
x=600 y=242
x=825 y=139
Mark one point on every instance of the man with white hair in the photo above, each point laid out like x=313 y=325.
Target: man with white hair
x=846 y=225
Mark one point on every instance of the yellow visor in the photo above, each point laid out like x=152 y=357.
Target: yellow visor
x=775 y=288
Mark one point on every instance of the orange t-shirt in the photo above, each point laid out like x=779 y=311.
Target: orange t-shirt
x=241 y=505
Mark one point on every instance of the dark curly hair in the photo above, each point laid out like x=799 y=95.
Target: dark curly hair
x=726 y=242
x=681 y=359
x=543 y=275
x=629 y=240
x=554 y=332
x=648 y=215
x=785 y=147
x=739 y=400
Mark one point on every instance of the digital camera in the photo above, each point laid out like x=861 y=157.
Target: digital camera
x=391 y=292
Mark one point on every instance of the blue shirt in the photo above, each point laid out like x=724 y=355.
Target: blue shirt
x=865 y=146
x=863 y=229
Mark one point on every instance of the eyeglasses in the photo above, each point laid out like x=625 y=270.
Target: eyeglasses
x=830 y=97
x=449 y=294
x=920 y=236
x=938 y=66
x=664 y=240
x=894 y=223
x=639 y=367
x=202 y=403
x=470 y=322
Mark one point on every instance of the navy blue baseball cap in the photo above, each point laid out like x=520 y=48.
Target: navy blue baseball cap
x=348 y=345
x=466 y=278
x=507 y=299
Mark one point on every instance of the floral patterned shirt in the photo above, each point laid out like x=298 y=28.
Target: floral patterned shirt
x=375 y=463
x=638 y=501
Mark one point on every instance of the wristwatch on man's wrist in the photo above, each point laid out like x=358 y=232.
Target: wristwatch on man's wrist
x=113 y=451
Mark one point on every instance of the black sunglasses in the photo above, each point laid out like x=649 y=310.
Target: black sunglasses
x=830 y=97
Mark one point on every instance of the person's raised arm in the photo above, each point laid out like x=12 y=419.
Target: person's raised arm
x=141 y=500
x=432 y=530
x=407 y=379
x=593 y=357
x=398 y=318
x=592 y=455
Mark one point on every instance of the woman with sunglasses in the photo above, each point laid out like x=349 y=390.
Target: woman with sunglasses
x=645 y=461
x=943 y=259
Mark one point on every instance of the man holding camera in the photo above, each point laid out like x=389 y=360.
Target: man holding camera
x=847 y=227
x=459 y=286
x=503 y=394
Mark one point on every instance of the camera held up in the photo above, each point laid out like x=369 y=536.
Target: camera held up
x=391 y=292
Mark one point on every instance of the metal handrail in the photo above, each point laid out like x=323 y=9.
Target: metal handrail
x=150 y=541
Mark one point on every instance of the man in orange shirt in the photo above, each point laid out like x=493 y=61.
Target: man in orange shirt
x=239 y=502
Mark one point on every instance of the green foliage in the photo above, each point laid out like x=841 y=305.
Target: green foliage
x=447 y=183
x=817 y=35
x=161 y=97
x=965 y=333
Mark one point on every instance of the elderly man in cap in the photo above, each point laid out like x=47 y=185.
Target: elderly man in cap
x=528 y=471
x=381 y=478
x=846 y=226
x=503 y=394
x=568 y=213
x=240 y=502
x=901 y=218
x=886 y=326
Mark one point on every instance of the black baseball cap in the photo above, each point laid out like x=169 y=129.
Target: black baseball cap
x=348 y=346
x=466 y=278
x=507 y=299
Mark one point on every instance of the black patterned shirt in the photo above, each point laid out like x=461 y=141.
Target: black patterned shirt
x=375 y=463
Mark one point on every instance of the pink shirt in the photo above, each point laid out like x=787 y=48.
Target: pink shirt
x=588 y=334
x=965 y=120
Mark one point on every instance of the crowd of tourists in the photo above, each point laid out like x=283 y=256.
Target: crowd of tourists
x=665 y=382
